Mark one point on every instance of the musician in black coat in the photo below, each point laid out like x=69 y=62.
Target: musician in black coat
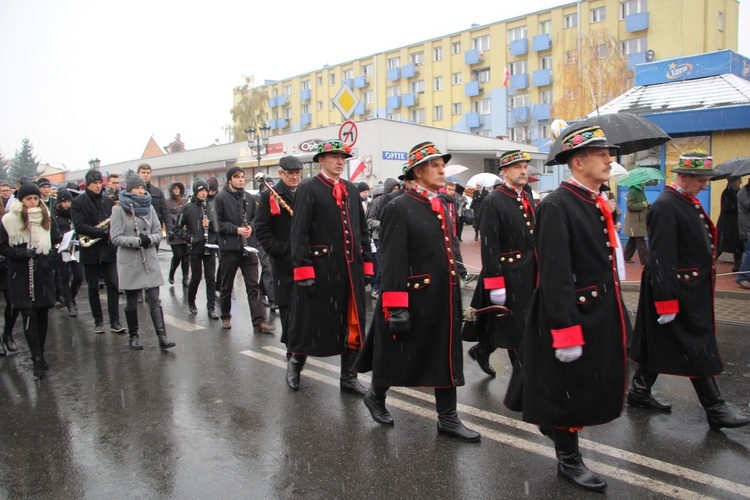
x=90 y=209
x=331 y=255
x=273 y=225
x=675 y=330
x=71 y=267
x=414 y=338
x=572 y=364
x=509 y=264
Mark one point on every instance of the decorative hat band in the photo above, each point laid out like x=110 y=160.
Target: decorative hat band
x=514 y=157
x=696 y=159
x=334 y=146
x=420 y=154
x=582 y=137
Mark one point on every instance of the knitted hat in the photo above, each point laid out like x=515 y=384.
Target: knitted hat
x=132 y=181
x=43 y=181
x=93 y=175
x=511 y=157
x=362 y=186
x=579 y=138
x=333 y=146
x=199 y=184
x=64 y=195
x=419 y=154
x=27 y=190
x=213 y=184
x=232 y=171
x=695 y=162
x=290 y=163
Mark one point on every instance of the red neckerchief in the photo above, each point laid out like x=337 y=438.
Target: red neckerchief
x=519 y=193
x=339 y=192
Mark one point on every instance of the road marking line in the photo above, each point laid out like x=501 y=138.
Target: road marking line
x=640 y=460
x=188 y=326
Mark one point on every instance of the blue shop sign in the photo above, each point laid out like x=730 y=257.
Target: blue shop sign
x=394 y=155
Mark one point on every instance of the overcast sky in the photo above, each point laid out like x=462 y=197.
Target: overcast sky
x=92 y=78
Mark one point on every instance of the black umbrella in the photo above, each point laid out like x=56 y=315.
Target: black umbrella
x=736 y=167
x=631 y=132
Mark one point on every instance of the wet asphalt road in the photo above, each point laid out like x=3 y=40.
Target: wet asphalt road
x=213 y=418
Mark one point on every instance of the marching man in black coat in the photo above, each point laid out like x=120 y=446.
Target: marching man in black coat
x=414 y=338
x=273 y=225
x=675 y=330
x=330 y=255
x=509 y=265
x=572 y=363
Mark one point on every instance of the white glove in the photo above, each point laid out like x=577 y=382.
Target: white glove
x=666 y=318
x=568 y=354
x=497 y=296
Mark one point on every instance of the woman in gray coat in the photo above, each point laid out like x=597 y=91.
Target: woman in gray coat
x=135 y=231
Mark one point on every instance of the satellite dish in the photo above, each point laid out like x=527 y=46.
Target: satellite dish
x=650 y=55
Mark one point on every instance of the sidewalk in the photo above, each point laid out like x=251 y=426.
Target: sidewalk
x=731 y=303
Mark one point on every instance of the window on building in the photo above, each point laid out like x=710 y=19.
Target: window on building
x=518 y=67
x=437 y=113
x=721 y=21
x=331 y=79
x=367 y=69
x=456 y=48
x=319 y=106
x=484 y=133
x=570 y=57
x=481 y=75
x=394 y=116
x=629 y=7
x=367 y=97
x=543 y=130
x=545 y=62
x=598 y=15
x=319 y=80
x=518 y=33
x=601 y=50
x=393 y=90
x=288 y=90
x=437 y=53
x=417 y=58
x=457 y=108
x=481 y=43
x=456 y=78
x=545 y=97
x=305 y=84
x=394 y=62
x=417 y=87
x=519 y=101
x=514 y=135
x=305 y=109
x=482 y=106
x=545 y=27
x=288 y=113
x=275 y=92
x=570 y=21
x=634 y=46
x=437 y=83
x=347 y=74
x=417 y=115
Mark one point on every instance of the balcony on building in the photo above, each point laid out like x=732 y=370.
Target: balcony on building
x=541 y=112
x=409 y=100
x=393 y=102
x=636 y=58
x=636 y=22
x=409 y=71
x=305 y=119
x=519 y=114
x=305 y=95
x=360 y=82
x=272 y=122
x=472 y=120
x=473 y=56
x=361 y=109
x=272 y=102
x=519 y=47
x=541 y=42
x=349 y=82
x=393 y=74
x=519 y=81
x=473 y=89
x=281 y=100
x=542 y=77
x=281 y=123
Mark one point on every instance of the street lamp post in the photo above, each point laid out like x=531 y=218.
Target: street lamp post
x=258 y=142
x=94 y=164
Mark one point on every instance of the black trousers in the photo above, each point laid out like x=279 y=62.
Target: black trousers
x=179 y=259
x=203 y=264
x=109 y=272
x=11 y=313
x=66 y=271
x=35 y=329
x=266 y=279
x=151 y=296
x=248 y=265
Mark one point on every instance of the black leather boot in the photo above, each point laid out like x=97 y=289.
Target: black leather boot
x=132 y=318
x=448 y=422
x=293 y=370
x=640 y=396
x=9 y=342
x=374 y=400
x=38 y=366
x=157 y=318
x=717 y=412
x=570 y=464
x=480 y=352
x=348 y=381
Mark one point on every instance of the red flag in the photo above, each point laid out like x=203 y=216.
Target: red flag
x=506 y=77
x=360 y=168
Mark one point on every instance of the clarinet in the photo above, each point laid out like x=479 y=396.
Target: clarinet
x=204 y=211
x=244 y=223
x=31 y=279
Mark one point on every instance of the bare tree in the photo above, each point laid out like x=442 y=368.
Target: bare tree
x=248 y=111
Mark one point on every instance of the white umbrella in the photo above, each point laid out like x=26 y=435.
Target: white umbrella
x=618 y=171
x=486 y=179
x=455 y=169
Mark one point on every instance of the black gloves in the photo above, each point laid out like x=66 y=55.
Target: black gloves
x=145 y=240
x=400 y=322
x=308 y=286
x=27 y=253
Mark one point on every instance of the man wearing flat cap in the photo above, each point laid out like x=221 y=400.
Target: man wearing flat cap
x=330 y=257
x=273 y=224
x=572 y=364
x=509 y=266
x=675 y=329
x=414 y=338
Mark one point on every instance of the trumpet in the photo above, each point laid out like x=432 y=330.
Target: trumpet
x=87 y=241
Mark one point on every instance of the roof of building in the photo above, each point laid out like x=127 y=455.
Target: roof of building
x=702 y=93
x=152 y=149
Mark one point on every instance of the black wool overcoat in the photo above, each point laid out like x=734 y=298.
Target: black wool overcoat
x=87 y=211
x=274 y=228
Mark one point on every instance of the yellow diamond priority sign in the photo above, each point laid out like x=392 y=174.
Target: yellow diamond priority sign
x=346 y=101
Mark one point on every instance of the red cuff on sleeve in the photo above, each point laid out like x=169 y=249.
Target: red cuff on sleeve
x=304 y=273
x=369 y=269
x=494 y=283
x=567 y=337
x=667 y=306
x=395 y=299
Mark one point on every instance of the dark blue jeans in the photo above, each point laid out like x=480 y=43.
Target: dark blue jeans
x=745 y=267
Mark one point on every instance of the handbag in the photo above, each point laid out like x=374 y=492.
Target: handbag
x=469 y=215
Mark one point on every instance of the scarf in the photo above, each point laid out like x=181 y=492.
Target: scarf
x=141 y=205
x=36 y=237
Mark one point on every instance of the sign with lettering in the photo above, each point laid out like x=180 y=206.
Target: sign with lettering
x=395 y=155
x=309 y=146
x=275 y=148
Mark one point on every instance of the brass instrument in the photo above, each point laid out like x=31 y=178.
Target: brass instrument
x=87 y=241
x=278 y=197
